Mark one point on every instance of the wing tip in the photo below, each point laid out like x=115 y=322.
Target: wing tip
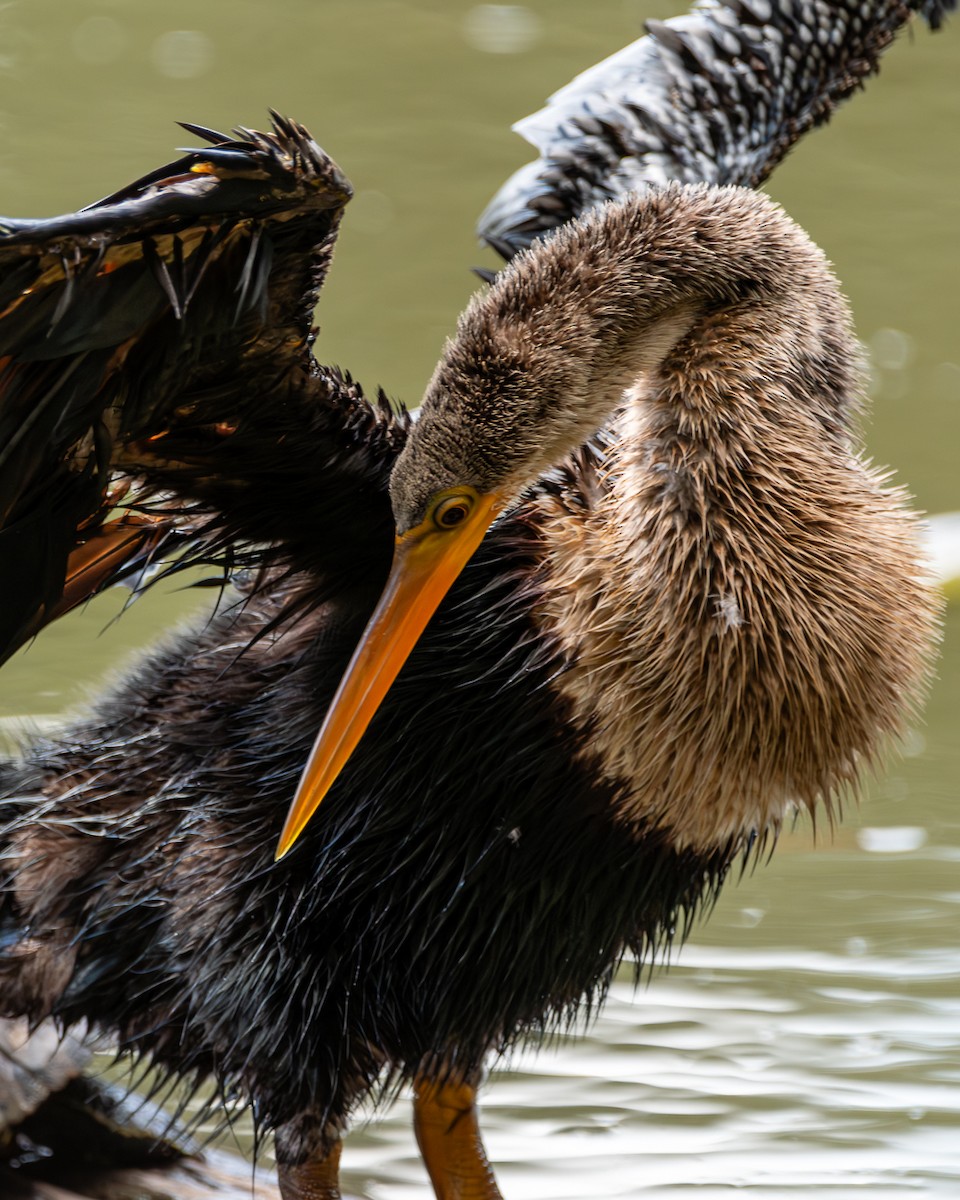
x=293 y=150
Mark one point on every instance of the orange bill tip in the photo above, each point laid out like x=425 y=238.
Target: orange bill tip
x=426 y=562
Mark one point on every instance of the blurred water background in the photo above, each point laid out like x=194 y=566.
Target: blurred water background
x=808 y=1037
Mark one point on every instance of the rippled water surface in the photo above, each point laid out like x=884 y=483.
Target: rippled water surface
x=808 y=1038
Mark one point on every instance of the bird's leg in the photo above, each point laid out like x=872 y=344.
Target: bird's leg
x=308 y=1161
x=448 y=1134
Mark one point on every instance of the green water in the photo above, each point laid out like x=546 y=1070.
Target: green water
x=809 y=1037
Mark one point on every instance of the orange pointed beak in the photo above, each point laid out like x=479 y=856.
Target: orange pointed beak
x=426 y=561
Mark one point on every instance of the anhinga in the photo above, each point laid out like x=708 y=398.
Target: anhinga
x=646 y=597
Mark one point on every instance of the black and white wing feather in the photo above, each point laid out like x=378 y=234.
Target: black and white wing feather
x=718 y=95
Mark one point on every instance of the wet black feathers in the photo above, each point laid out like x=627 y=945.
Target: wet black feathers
x=159 y=322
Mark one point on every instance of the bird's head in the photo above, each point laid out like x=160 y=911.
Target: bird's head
x=505 y=403
x=537 y=365
x=465 y=461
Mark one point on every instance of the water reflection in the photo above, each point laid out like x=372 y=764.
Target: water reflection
x=182 y=53
x=502 y=28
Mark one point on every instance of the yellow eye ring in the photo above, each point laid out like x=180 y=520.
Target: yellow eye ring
x=452 y=511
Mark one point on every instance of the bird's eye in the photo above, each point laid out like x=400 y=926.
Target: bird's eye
x=452 y=511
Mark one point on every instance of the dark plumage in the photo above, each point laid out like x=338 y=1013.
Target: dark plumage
x=182 y=306
x=699 y=609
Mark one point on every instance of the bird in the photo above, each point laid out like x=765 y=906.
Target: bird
x=622 y=598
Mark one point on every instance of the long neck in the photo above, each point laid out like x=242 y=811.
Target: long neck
x=543 y=360
x=739 y=602
x=659 y=277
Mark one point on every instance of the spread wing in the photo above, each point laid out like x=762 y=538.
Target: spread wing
x=718 y=95
x=159 y=341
